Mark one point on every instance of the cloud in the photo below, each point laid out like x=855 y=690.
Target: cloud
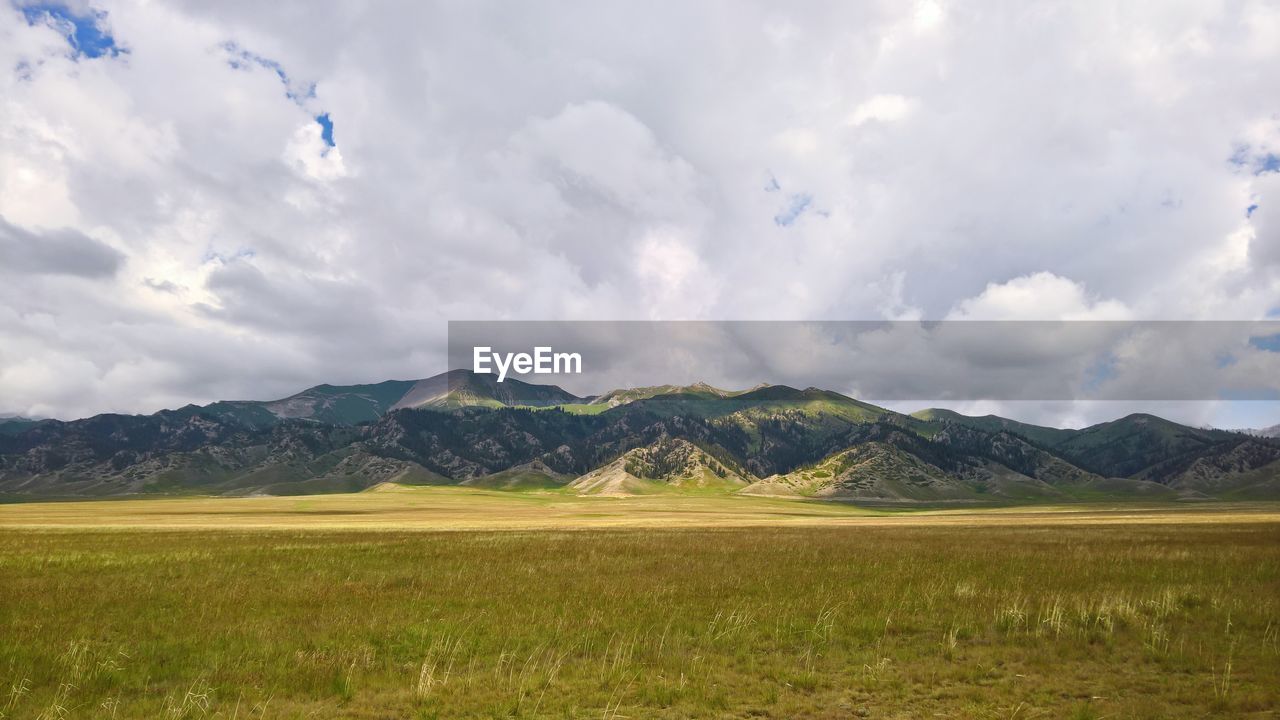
x=83 y=29
x=312 y=156
x=795 y=207
x=55 y=252
x=929 y=14
x=1264 y=245
x=990 y=162
x=679 y=282
x=165 y=286
x=882 y=108
x=1040 y=296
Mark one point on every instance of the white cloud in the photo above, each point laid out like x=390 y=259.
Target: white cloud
x=893 y=306
x=929 y=14
x=882 y=108
x=308 y=153
x=678 y=284
x=1041 y=296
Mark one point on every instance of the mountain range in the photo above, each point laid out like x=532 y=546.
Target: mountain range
x=1273 y=431
x=467 y=429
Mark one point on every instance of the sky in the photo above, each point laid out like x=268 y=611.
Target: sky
x=203 y=201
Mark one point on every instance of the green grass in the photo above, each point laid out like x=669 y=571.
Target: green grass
x=931 y=619
x=579 y=408
x=765 y=402
x=520 y=479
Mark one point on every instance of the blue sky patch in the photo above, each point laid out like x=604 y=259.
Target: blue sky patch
x=242 y=59
x=796 y=206
x=241 y=254
x=1270 y=343
x=1248 y=212
x=299 y=92
x=1099 y=372
x=1258 y=164
x=326 y=128
x=85 y=32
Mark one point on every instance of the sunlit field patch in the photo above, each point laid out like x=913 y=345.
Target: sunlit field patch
x=1013 y=619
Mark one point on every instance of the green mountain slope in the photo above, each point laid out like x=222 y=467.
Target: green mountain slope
x=463 y=388
x=467 y=429
x=535 y=475
x=356 y=404
x=707 y=402
x=871 y=471
x=667 y=465
x=12 y=424
x=1133 y=444
x=1038 y=434
x=623 y=396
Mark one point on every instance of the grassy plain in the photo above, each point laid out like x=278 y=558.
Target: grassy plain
x=669 y=607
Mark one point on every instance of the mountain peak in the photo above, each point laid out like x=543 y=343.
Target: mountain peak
x=1273 y=431
x=461 y=387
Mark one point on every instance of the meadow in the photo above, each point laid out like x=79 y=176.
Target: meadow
x=440 y=603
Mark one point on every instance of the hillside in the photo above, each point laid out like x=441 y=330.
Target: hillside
x=356 y=404
x=1271 y=432
x=667 y=464
x=623 y=396
x=871 y=471
x=12 y=424
x=706 y=402
x=1131 y=445
x=463 y=388
x=534 y=475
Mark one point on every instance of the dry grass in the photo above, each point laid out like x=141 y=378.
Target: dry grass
x=461 y=508
x=1071 y=612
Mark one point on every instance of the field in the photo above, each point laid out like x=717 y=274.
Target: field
x=444 y=603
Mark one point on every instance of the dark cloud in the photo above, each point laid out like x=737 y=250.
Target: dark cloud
x=290 y=303
x=164 y=286
x=925 y=362
x=1265 y=219
x=56 y=252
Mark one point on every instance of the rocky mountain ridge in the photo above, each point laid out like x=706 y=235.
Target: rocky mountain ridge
x=460 y=428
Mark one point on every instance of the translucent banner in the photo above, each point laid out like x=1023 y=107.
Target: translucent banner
x=888 y=361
